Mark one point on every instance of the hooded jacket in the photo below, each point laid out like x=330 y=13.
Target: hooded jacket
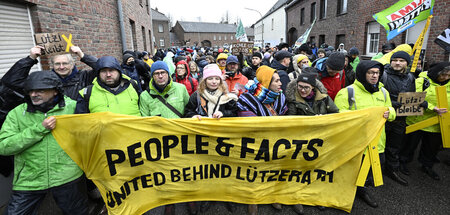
x=39 y=162
x=332 y=83
x=396 y=82
x=365 y=99
x=281 y=70
x=190 y=83
x=431 y=98
x=130 y=70
x=297 y=105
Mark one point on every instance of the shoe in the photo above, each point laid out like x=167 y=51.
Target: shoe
x=204 y=206
x=169 y=210
x=430 y=172
x=404 y=169
x=395 y=175
x=192 y=208
x=298 y=208
x=252 y=209
x=231 y=207
x=277 y=206
x=364 y=195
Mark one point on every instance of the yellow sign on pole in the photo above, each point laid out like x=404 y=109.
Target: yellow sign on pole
x=418 y=46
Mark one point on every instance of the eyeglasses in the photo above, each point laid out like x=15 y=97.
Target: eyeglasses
x=373 y=73
x=159 y=73
x=61 y=64
x=305 y=88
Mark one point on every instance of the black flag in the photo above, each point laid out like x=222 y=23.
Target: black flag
x=443 y=40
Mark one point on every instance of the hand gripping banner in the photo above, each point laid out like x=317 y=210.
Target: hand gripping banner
x=141 y=163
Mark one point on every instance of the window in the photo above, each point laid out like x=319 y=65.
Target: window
x=220 y=37
x=302 y=16
x=214 y=37
x=144 y=38
x=161 y=42
x=160 y=28
x=321 y=39
x=341 y=6
x=373 y=38
x=133 y=35
x=340 y=38
x=272 y=23
x=225 y=37
x=313 y=12
x=323 y=9
x=231 y=37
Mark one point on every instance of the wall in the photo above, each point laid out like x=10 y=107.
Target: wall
x=272 y=36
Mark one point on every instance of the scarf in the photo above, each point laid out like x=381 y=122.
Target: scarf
x=214 y=97
x=264 y=95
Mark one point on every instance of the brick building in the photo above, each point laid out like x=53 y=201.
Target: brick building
x=350 y=22
x=95 y=26
x=206 y=34
x=161 y=29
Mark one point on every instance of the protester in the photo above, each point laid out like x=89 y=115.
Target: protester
x=183 y=76
x=386 y=48
x=222 y=61
x=437 y=75
x=234 y=79
x=330 y=73
x=210 y=59
x=301 y=61
x=321 y=53
x=195 y=71
x=281 y=63
x=341 y=49
x=396 y=79
x=111 y=91
x=147 y=59
x=212 y=98
x=129 y=69
x=349 y=72
x=354 y=57
x=250 y=71
x=41 y=165
x=367 y=92
x=283 y=46
x=168 y=59
x=306 y=99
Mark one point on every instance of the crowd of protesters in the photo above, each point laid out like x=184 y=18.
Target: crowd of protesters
x=211 y=83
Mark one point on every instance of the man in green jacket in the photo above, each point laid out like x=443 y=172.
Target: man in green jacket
x=41 y=165
x=164 y=98
x=368 y=92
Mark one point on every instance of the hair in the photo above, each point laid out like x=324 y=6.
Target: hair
x=202 y=86
x=197 y=70
x=68 y=56
x=211 y=58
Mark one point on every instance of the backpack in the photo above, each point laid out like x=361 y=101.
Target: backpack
x=351 y=96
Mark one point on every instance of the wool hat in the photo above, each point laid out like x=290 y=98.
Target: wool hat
x=283 y=45
x=232 y=59
x=301 y=57
x=403 y=55
x=266 y=55
x=321 y=50
x=211 y=70
x=307 y=78
x=264 y=75
x=336 y=61
x=353 y=51
x=159 y=65
x=280 y=55
x=257 y=54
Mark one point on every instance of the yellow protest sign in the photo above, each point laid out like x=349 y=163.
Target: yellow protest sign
x=54 y=43
x=141 y=163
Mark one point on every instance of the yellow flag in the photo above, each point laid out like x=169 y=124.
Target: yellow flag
x=141 y=163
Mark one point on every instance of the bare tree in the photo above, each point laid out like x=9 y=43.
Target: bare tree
x=225 y=18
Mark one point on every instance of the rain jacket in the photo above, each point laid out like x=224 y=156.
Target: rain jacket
x=39 y=162
x=431 y=98
x=189 y=82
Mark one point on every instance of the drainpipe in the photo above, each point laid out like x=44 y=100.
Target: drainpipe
x=122 y=26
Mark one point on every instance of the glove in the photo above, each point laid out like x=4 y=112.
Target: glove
x=424 y=104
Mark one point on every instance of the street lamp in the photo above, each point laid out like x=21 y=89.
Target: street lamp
x=262 y=24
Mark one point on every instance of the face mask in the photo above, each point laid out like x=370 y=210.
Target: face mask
x=132 y=63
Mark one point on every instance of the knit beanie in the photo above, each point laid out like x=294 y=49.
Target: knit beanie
x=257 y=54
x=280 y=55
x=403 y=55
x=307 y=78
x=353 y=51
x=301 y=57
x=264 y=75
x=125 y=58
x=211 y=70
x=158 y=65
x=336 y=61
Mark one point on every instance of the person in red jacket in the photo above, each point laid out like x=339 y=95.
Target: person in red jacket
x=331 y=73
x=183 y=76
x=233 y=77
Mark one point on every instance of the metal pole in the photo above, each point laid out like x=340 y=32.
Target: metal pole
x=122 y=26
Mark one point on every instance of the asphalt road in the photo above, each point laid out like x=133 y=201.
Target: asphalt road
x=423 y=196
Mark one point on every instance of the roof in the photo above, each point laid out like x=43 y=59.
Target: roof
x=156 y=15
x=206 y=27
x=275 y=7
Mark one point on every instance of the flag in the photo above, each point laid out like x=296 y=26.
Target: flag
x=443 y=40
x=240 y=33
x=403 y=15
x=302 y=39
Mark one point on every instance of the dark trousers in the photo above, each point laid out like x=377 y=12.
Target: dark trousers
x=431 y=143
x=70 y=197
x=395 y=135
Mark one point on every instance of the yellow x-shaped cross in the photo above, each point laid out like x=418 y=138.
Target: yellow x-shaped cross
x=68 y=41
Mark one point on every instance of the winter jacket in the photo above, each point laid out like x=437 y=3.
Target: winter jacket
x=431 y=98
x=251 y=106
x=354 y=63
x=174 y=93
x=194 y=107
x=297 y=105
x=363 y=100
x=281 y=70
x=396 y=82
x=39 y=162
x=131 y=72
x=238 y=78
x=333 y=84
x=190 y=83
x=350 y=75
x=250 y=72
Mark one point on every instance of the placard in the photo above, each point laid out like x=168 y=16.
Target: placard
x=410 y=103
x=244 y=47
x=54 y=43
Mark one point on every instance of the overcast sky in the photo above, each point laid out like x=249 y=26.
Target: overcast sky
x=213 y=11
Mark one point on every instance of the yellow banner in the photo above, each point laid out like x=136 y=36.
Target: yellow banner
x=141 y=163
